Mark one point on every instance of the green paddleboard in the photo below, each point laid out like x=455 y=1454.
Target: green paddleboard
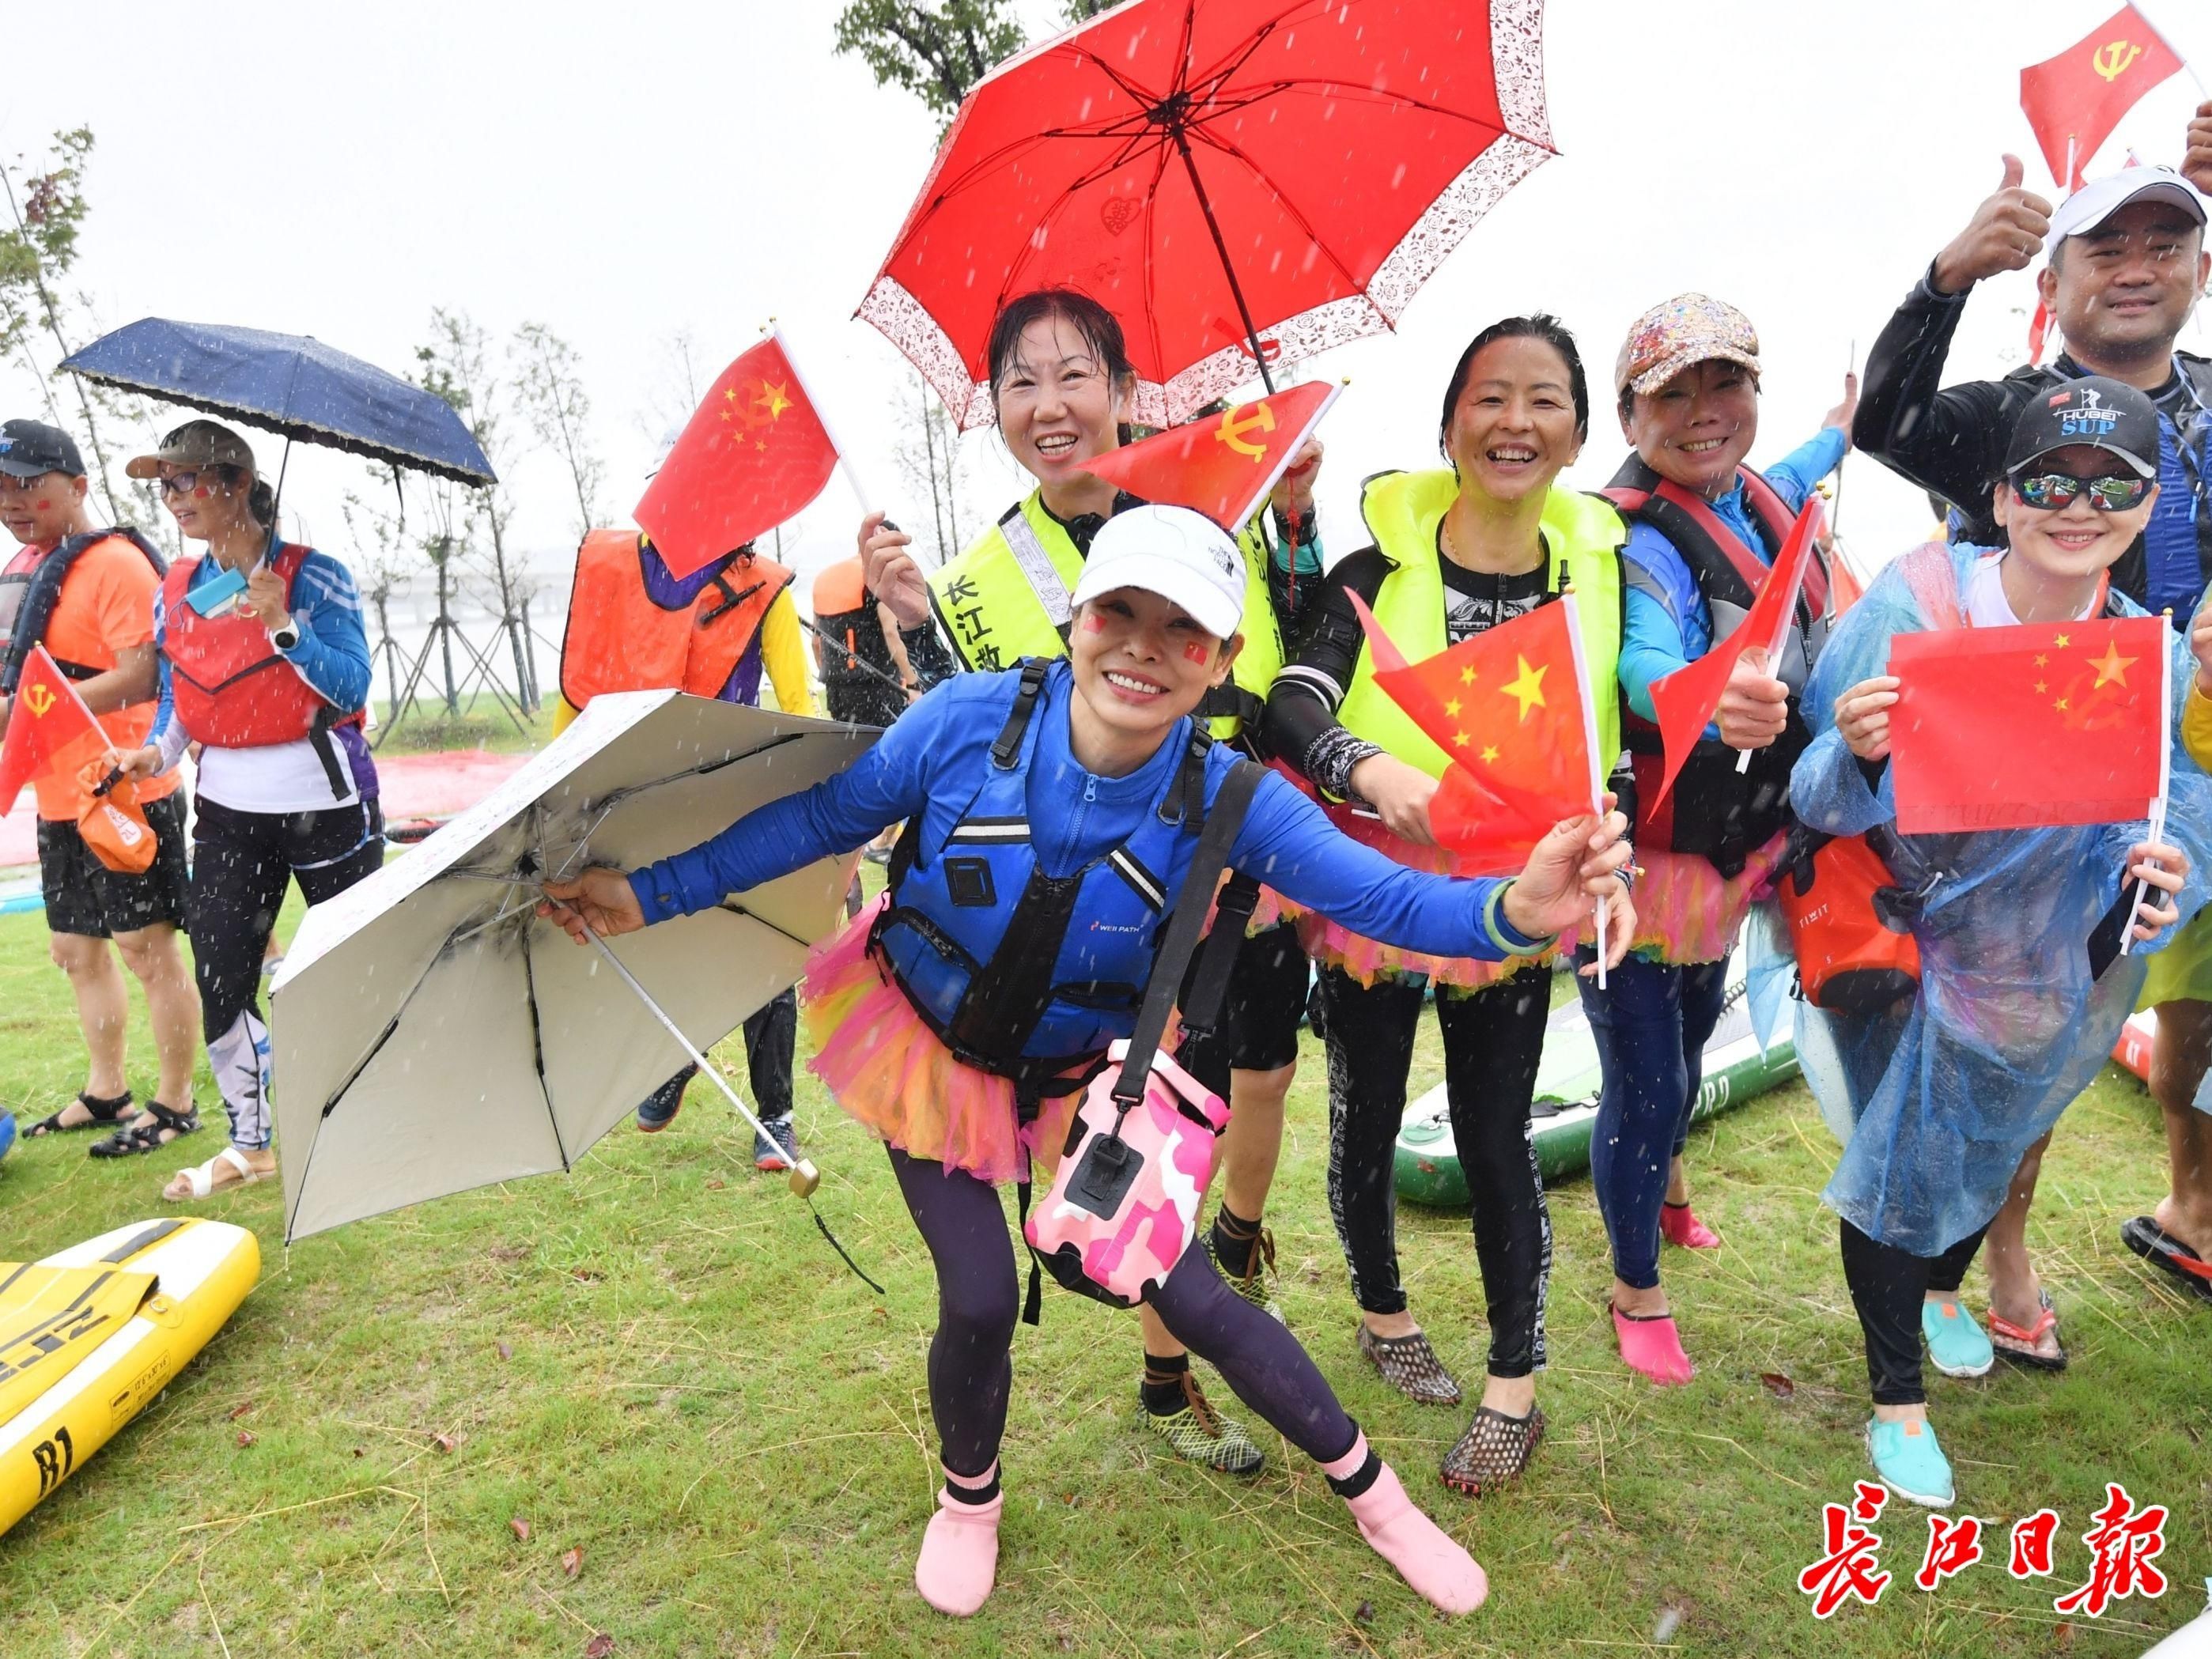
x=1566 y=1105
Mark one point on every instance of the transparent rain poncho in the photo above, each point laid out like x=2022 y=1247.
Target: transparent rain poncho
x=1937 y=1103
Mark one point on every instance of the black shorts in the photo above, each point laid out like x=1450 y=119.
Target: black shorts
x=85 y=898
x=1260 y=1018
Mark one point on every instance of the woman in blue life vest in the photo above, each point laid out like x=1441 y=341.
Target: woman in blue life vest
x=1083 y=771
x=1457 y=551
x=2022 y=989
x=271 y=686
x=1063 y=389
x=1704 y=529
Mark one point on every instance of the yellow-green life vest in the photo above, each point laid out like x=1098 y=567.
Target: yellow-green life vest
x=1006 y=598
x=1582 y=535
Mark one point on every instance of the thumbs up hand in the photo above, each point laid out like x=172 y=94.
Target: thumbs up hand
x=2005 y=234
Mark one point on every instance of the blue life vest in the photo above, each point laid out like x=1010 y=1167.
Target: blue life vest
x=1020 y=973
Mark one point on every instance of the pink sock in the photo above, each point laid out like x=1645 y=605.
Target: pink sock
x=1679 y=1224
x=959 y=1559
x=1426 y=1556
x=1653 y=1347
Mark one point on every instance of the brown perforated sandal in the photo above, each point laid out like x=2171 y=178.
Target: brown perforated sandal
x=1410 y=1365
x=1495 y=1452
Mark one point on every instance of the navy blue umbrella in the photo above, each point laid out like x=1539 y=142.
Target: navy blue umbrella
x=289 y=384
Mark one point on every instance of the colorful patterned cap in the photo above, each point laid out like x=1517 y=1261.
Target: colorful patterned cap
x=1690 y=328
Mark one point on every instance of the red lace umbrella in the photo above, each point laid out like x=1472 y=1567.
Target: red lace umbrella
x=1240 y=181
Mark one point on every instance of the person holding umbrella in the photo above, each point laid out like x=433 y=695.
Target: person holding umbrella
x=1704 y=528
x=1456 y=552
x=264 y=664
x=1021 y=785
x=1063 y=383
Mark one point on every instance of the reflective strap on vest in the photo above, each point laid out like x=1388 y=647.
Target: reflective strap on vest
x=1037 y=566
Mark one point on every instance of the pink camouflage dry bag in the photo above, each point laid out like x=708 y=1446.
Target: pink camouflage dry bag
x=1123 y=1205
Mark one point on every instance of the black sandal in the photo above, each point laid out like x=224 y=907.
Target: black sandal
x=1495 y=1450
x=141 y=1138
x=103 y=1112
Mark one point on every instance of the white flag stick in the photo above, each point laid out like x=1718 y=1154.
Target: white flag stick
x=1782 y=625
x=822 y=414
x=2157 y=832
x=1590 y=746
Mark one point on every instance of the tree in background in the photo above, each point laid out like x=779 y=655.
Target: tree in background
x=457 y=365
x=928 y=460
x=550 y=390
x=936 y=52
x=46 y=210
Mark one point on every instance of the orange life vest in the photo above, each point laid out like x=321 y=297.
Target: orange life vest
x=618 y=640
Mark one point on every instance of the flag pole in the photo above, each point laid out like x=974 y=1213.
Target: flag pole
x=822 y=414
x=1782 y=625
x=2157 y=830
x=2164 y=40
x=1589 y=748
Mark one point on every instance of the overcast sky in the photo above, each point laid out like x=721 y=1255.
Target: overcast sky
x=627 y=174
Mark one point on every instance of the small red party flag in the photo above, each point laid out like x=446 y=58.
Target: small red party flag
x=2007 y=728
x=2074 y=100
x=754 y=454
x=1511 y=707
x=1222 y=465
x=1686 y=699
x=49 y=730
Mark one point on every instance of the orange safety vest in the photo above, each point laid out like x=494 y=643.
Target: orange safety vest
x=618 y=640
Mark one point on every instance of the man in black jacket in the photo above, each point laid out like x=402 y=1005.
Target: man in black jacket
x=2127 y=262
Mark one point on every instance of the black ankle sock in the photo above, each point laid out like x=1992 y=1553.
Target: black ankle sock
x=982 y=1494
x=1234 y=1240
x=1162 y=1388
x=1359 y=1479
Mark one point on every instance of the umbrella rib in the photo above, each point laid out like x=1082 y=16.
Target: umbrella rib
x=615 y=798
x=538 y=1049
x=1296 y=214
x=738 y=909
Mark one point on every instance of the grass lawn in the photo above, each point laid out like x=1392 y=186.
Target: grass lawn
x=657 y=1362
x=483 y=722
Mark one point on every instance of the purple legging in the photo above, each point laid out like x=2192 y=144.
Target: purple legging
x=964 y=1223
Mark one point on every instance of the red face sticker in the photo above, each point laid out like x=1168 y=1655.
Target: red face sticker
x=1093 y=622
x=45 y=505
x=1194 y=652
x=201 y=493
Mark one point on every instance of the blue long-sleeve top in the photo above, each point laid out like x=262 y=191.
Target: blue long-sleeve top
x=930 y=764
x=1662 y=633
x=331 y=656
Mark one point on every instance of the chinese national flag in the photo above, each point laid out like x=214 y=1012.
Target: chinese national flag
x=2074 y=100
x=1686 y=699
x=1223 y=466
x=2005 y=728
x=753 y=455
x=49 y=731
x=1509 y=707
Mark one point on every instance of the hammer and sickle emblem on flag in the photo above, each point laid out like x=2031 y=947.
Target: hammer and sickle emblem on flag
x=1234 y=423
x=41 y=699
x=2113 y=59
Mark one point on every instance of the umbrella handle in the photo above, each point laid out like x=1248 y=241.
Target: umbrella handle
x=804 y=1177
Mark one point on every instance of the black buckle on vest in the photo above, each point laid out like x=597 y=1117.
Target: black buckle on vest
x=731 y=600
x=1185 y=803
x=1007 y=747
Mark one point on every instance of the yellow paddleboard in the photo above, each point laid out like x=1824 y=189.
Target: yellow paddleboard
x=89 y=1337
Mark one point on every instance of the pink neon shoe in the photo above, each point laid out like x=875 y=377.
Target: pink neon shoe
x=1679 y=1224
x=959 y=1559
x=1427 y=1557
x=1650 y=1344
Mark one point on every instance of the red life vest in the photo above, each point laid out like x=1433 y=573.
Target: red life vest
x=232 y=687
x=618 y=640
x=1714 y=811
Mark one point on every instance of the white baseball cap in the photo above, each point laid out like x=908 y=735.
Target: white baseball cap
x=2100 y=198
x=1178 y=554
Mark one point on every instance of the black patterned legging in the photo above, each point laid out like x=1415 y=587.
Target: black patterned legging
x=1493 y=1038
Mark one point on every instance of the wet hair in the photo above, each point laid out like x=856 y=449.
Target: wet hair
x=260 y=500
x=1541 y=326
x=1094 y=324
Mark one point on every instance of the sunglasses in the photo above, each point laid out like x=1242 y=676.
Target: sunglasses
x=179 y=484
x=2051 y=492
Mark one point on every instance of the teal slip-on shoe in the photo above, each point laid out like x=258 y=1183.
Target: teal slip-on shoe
x=1956 y=1345
x=1911 y=1463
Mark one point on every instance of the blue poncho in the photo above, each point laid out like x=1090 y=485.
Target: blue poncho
x=1937 y=1103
